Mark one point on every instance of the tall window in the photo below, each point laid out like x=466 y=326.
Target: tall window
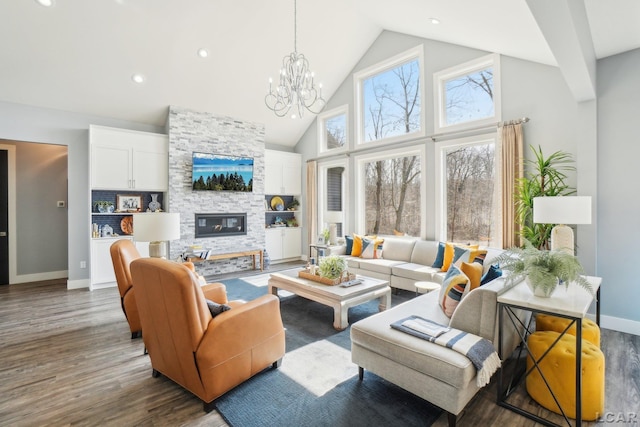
x=333 y=130
x=331 y=195
x=389 y=99
x=469 y=206
x=468 y=94
x=391 y=195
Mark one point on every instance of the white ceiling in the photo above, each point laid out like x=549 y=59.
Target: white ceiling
x=80 y=55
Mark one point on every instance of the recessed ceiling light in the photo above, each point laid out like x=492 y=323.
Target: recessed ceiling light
x=45 y=3
x=203 y=53
x=138 y=78
x=434 y=21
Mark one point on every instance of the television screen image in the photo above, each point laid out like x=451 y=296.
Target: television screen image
x=214 y=172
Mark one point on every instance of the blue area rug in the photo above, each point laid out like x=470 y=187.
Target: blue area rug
x=317 y=384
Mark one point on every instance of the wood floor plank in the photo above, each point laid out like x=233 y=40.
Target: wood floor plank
x=67 y=359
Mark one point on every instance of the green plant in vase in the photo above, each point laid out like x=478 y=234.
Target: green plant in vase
x=542 y=269
x=332 y=266
x=103 y=206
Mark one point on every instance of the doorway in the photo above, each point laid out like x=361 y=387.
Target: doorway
x=4 y=217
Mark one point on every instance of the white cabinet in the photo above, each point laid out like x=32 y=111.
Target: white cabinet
x=128 y=160
x=102 y=273
x=283 y=172
x=283 y=242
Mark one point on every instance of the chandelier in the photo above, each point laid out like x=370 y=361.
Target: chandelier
x=296 y=88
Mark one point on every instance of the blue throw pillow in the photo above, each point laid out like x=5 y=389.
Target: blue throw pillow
x=439 y=256
x=349 y=241
x=493 y=272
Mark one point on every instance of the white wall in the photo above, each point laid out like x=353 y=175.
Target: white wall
x=25 y=123
x=619 y=198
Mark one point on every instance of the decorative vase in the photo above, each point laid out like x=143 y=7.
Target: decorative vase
x=541 y=290
x=154 y=204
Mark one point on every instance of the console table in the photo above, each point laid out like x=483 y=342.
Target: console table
x=571 y=303
x=251 y=253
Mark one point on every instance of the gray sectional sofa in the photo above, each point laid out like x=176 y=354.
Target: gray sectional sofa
x=406 y=261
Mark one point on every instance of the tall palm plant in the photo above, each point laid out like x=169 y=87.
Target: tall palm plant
x=546 y=178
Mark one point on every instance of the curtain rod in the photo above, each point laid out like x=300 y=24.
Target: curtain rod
x=448 y=135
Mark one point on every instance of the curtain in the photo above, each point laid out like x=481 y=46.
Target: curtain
x=312 y=201
x=511 y=142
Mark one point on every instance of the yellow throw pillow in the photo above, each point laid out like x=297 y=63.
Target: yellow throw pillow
x=449 y=250
x=473 y=271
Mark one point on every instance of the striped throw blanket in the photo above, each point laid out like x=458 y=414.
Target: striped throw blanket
x=479 y=350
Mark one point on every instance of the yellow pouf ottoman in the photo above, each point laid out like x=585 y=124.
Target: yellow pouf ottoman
x=559 y=369
x=590 y=330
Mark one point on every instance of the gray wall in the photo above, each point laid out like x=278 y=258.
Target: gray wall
x=31 y=124
x=529 y=89
x=619 y=201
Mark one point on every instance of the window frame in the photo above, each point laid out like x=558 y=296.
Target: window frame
x=386 y=65
x=323 y=166
x=440 y=181
x=321 y=126
x=360 y=167
x=441 y=77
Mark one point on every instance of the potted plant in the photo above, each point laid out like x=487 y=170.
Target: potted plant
x=325 y=235
x=542 y=269
x=103 y=206
x=293 y=205
x=332 y=266
x=546 y=178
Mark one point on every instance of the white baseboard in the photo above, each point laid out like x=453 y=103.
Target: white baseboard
x=38 y=277
x=620 y=325
x=78 y=284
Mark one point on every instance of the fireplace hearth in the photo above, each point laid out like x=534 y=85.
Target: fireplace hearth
x=220 y=224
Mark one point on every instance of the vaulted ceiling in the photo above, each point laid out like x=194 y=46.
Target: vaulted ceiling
x=80 y=55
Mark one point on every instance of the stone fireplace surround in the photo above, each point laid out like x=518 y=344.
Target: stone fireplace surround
x=191 y=131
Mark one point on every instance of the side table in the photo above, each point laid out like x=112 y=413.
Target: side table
x=571 y=303
x=426 y=287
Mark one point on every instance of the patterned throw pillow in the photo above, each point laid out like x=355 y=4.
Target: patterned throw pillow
x=453 y=289
x=356 y=250
x=450 y=252
x=371 y=248
x=468 y=255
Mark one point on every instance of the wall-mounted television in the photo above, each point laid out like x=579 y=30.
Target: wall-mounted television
x=215 y=172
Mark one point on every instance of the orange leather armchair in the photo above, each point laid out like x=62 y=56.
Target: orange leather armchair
x=206 y=355
x=123 y=252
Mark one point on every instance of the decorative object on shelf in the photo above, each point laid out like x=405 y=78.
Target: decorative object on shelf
x=126 y=225
x=293 y=205
x=333 y=218
x=562 y=210
x=128 y=203
x=156 y=228
x=107 y=231
x=296 y=87
x=277 y=204
x=154 y=204
x=542 y=270
x=292 y=222
x=103 y=206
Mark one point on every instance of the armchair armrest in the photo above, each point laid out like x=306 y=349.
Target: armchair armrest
x=216 y=292
x=243 y=327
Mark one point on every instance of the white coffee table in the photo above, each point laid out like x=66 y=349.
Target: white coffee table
x=338 y=297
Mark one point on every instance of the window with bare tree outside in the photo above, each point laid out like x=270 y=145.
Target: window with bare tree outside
x=333 y=130
x=468 y=94
x=390 y=99
x=469 y=192
x=392 y=193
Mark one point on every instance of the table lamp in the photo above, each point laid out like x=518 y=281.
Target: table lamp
x=156 y=228
x=562 y=210
x=332 y=219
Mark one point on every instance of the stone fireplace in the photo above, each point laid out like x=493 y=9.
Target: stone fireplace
x=220 y=224
x=204 y=132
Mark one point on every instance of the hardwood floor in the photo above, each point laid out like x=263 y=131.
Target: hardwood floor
x=66 y=358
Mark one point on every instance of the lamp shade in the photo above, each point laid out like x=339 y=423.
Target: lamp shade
x=156 y=226
x=562 y=210
x=333 y=217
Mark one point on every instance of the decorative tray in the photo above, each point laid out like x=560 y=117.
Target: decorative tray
x=325 y=280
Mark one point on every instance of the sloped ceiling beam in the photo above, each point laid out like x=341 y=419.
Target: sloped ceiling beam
x=565 y=27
